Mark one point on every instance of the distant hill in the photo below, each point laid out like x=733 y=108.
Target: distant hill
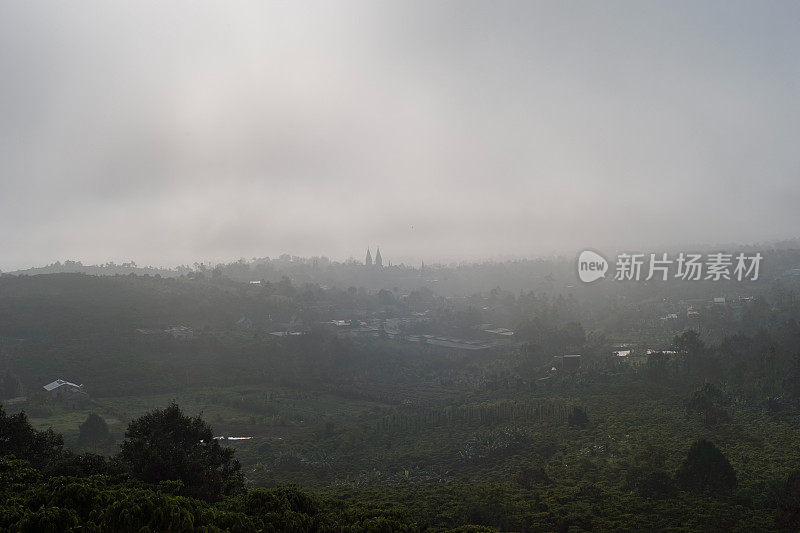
x=108 y=269
x=551 y=274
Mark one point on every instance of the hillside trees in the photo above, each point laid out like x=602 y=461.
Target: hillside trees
x=578 y=418
x=789 y=503
x=10 y=385
x=165 y=445
x=708 y=402
x=19 y=438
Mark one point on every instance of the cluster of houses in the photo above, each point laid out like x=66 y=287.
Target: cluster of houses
x=692 y=307
x=373 y=327
x=450 y=342
x=627 y=351
x=397 y=328
x=621 y=352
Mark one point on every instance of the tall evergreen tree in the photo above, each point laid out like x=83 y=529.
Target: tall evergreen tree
x=706 y=470
x=94 y=432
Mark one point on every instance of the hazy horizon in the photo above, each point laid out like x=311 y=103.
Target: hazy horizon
x=557 y=255
x=173 y=133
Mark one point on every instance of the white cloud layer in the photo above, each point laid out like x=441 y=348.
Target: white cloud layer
x=170 y=132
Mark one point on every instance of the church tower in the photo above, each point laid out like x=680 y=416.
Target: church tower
x=378 y=258
x=368 y=261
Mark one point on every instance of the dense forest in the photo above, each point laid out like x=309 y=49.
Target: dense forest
x=684 y=412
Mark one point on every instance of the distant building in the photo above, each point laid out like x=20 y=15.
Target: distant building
x=500 y=331
x=150 y=331
x=449 y=342
x=287 y=333
x=71 y=394
x=176 y=332
x=377 y=262
x=664 y=352
x=568 y=363
x=180 y=332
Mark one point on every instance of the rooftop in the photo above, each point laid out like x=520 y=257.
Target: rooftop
x=58 y=383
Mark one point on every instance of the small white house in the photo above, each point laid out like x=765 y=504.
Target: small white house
x=70 y=393
x=56 y=386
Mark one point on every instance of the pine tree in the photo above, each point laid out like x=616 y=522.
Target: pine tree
x=94 y=432
x=706 y=469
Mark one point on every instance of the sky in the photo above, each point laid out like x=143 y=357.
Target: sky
x=174 y=132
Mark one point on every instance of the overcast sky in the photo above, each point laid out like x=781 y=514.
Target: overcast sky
x=173 y=132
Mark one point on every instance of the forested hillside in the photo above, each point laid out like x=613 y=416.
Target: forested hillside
x=348 y=394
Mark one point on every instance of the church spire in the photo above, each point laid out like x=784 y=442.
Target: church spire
x=378 y=258
x=368 y=261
